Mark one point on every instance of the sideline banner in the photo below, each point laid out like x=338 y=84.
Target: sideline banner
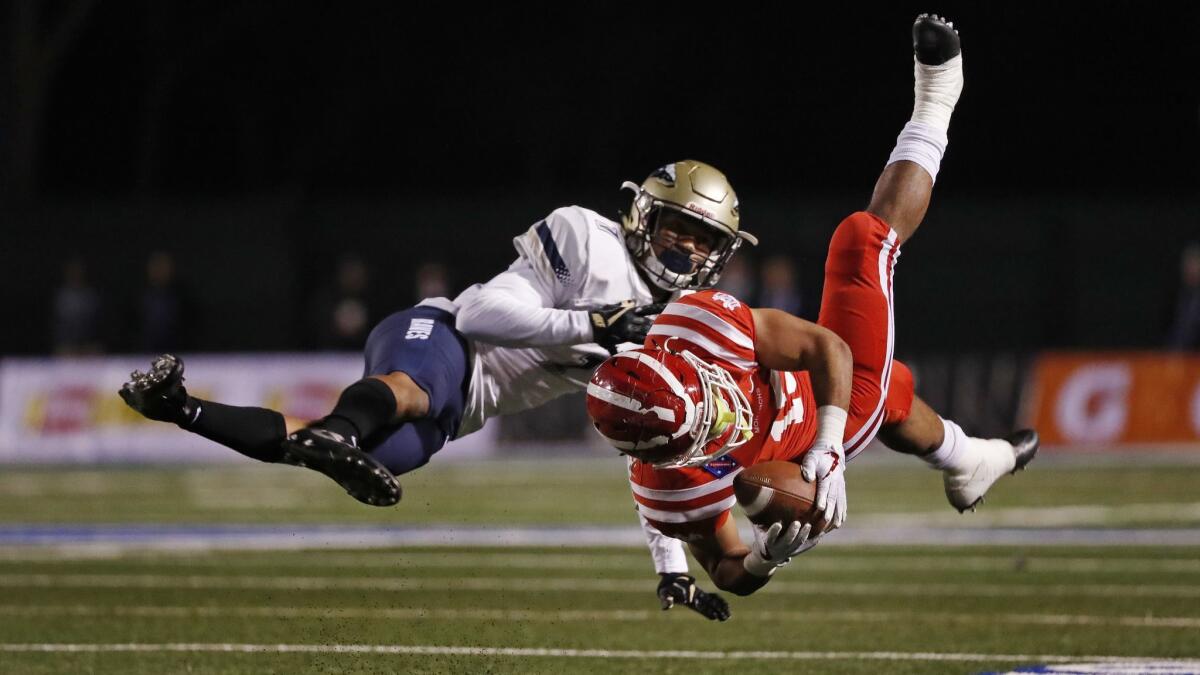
x=54 y=410
x=1117 y=398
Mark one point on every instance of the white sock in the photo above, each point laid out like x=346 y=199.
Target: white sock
x=959 y=452
x=921 y=144
x=936 y=90
x=953 y=451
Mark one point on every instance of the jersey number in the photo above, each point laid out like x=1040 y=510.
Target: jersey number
x=783 y=386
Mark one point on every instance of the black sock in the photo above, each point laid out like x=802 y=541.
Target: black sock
x=363 y=408
x=254 y=432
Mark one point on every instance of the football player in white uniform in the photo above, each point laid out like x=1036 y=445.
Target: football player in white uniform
x=581 y=286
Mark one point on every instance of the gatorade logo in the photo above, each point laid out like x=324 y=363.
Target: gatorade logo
x=419 y=329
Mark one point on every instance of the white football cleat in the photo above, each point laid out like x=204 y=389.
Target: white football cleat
x=966 y=488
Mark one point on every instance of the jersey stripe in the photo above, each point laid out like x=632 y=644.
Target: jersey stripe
x=721 y=326
x=887 y=261
x=552 y=255
x=686 y=493
x=679 y=507
x=688 y=516
x=727 y=352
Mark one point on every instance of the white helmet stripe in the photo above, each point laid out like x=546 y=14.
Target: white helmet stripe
x=689 y=411
x=638 y=445
x=627 y=403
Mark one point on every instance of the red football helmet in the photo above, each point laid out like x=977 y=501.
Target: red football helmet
x=669 y=409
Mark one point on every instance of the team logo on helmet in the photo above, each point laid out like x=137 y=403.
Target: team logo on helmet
x=665 y=173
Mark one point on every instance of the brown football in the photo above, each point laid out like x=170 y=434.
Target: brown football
x=773 y=492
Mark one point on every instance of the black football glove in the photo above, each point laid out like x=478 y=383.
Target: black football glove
x=681 y=589
x=623 y=322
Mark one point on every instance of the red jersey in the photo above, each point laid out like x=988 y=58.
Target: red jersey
x=719 y=329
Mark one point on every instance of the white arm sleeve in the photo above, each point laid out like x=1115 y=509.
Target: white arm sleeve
x=668 y=554
x=515 y=309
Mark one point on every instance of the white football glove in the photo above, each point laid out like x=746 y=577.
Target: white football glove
x=826 y=464
x=774 y=546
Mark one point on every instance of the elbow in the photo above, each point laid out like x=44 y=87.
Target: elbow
x=832 y=349
x=473 y=324
x=838 y=350
x=738 y=589
x=466 y=322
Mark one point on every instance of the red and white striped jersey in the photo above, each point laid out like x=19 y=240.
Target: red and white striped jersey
x=719 y=329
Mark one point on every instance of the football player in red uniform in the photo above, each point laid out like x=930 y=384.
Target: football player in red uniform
x=718 y=386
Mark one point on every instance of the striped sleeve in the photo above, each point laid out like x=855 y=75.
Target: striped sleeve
x=556 y=249
x=714 y=325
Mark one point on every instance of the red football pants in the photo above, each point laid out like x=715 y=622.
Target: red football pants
x=857 y=305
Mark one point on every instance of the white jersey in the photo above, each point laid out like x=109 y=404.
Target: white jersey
x=529 y=327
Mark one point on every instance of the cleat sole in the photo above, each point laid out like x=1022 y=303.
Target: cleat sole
x=359 y=474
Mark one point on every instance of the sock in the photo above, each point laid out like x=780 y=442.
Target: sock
x=254 y=432
x=959 y=452
x=936 y=90
x=953 y=453
x=363 y=408
x=921 y=144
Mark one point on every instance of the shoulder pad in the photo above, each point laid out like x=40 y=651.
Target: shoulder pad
x=557 y=245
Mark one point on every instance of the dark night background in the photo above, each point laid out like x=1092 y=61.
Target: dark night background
x=258 y=142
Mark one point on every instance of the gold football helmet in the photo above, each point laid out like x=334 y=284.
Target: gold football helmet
x=699 y=192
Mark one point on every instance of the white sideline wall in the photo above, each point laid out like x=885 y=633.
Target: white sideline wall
x=67 y=409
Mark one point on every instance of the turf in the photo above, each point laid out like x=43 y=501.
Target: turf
x=895 y=609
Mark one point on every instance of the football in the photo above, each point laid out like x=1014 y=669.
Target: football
x=774 y=492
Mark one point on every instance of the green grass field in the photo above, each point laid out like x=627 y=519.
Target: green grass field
x=846 y=607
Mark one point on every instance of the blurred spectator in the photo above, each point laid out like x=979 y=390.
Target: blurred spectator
x=778 y=287
x=737 y=279
x=341 y=316
x=433 y=281
x=1185 y=327
x=165 y=307
x=76 y=313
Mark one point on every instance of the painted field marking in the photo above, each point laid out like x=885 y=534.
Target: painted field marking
x=449 y=558
x=575 y=584
x=439 y=650
x=212 y=537
x=555 y=616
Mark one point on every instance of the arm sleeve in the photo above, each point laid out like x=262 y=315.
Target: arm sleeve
x=515 y=310
x=667 y=552
x=521 y=306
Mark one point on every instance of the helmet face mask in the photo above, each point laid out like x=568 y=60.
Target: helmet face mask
x=684 y=192
x=668 y=409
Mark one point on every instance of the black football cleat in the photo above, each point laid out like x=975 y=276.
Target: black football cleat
x=934 y=40
x=158 y=394
x=1025 y=446
x=359 y=474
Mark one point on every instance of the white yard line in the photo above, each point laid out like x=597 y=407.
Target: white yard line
x=438 y=650
x=556 y=616
x=634 y=560
x=458 y=583
x=203 y=538
x=1081 y=515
